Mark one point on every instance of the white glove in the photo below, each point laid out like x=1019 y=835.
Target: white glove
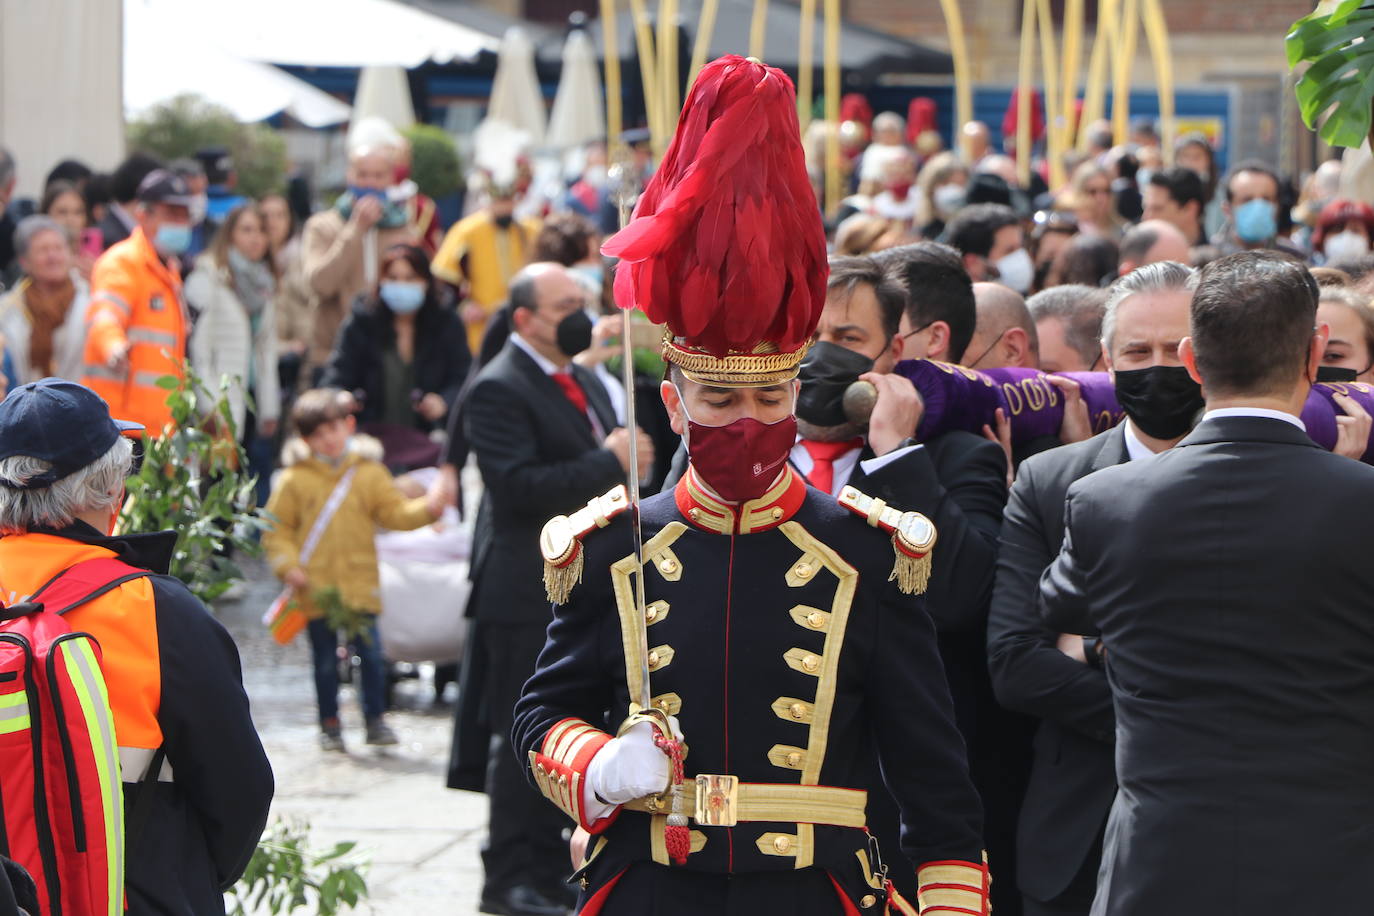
x=625 y=768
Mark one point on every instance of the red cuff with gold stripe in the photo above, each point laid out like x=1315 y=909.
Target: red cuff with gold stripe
x=946 y=888
x=560 y=768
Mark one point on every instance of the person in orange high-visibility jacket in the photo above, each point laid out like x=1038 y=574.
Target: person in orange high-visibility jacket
x=171 y=669
x=136 y=322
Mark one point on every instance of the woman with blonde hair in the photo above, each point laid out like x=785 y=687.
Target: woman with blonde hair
x=939 y=192
x=1090 y=199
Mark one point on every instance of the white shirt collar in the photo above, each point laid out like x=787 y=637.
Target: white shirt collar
x=540 y=360
x=1253 y=412
x=1136 y=450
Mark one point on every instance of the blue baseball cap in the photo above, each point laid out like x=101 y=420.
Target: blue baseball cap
x=60 y=422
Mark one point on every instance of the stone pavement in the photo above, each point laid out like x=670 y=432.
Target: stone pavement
x=422 y=839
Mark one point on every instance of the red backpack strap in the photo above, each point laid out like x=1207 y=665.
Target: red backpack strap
x=84 y=582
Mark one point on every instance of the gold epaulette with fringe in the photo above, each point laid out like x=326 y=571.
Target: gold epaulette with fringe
x=913 y=538
x=561 y=541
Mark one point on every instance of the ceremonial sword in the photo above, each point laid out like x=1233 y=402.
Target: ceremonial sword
x=677 y=839
x=626 y=189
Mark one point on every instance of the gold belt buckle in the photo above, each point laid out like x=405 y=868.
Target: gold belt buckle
x=717 y=797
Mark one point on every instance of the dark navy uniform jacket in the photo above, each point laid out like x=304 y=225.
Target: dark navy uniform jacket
x=780 y=645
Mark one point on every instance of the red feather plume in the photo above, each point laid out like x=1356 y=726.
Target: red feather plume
x=726 y=246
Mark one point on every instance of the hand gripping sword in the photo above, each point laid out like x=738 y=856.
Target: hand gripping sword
x=625 y=186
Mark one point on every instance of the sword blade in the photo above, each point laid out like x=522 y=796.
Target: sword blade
x=626 y=194
x=636 y=527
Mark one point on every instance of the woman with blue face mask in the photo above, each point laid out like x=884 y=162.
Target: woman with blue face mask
x=403 y=354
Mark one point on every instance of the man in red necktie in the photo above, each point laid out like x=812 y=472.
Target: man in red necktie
x=863 y=307
x=546 y=441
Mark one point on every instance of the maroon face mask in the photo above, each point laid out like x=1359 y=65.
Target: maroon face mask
x=740 y=460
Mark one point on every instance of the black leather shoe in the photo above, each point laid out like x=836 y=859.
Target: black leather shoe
x=521 y=900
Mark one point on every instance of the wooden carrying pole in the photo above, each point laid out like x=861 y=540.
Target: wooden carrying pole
x=833 y=181
x=806 y=69
x=648 y=75
x=1049 y=61
x=1071 y=59
x=1095 y=90
x=1157 y=31
x=1128 y=26
x=610 y=44
x=706 y=26
x=758 y=29
x=963 y=77
x=668 y=70
x=1023 y=94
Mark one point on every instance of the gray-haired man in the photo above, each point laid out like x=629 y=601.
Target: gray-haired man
x=175 y=688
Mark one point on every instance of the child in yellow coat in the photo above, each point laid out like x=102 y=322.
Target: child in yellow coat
x=344 y=559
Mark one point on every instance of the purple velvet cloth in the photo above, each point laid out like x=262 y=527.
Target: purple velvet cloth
x=959 y=398
x=1320 y=412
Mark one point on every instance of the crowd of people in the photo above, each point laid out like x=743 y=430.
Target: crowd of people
x=366 y=340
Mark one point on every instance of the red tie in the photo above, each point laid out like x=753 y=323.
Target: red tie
x=574 y=391
x=823 y=455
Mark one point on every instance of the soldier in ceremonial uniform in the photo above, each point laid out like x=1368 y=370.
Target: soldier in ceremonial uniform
x=786 y=638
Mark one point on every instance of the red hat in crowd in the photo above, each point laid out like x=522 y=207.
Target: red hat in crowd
x=726 y=246
x=1012 y=118
x=1337 y=215
x=920 y=117
x=855 y=107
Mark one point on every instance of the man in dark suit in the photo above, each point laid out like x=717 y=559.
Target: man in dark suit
x=1049 y=675
x=546 y=442
x=1235 y=604
x=118 y=222
x=957 y=479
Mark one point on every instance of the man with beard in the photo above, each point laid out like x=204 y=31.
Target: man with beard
x=782 y=633
x=1231 y=586
x=1058 y=677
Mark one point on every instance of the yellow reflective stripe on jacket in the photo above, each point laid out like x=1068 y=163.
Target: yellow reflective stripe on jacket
x=89 y=684
x=14 y=712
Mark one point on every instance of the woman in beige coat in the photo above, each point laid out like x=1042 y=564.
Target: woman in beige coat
x=343 y=245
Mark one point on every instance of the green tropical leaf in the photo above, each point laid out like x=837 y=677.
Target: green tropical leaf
x=1338 y=44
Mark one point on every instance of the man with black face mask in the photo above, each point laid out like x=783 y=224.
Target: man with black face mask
x=545 y=438
x=1230 y=581
x=956 y=478
x=1059 y=678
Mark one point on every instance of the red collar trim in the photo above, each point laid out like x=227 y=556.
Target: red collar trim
x=782 y=501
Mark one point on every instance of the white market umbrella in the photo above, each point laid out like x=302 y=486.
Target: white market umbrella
x=334 y=33
x=163 y=59
x=384 y=92
x=516 y=98
x=579 y=115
